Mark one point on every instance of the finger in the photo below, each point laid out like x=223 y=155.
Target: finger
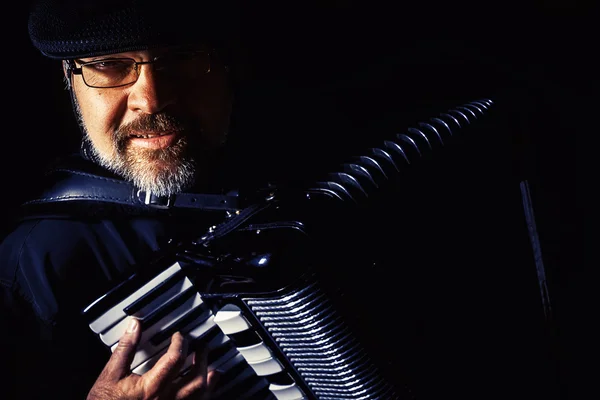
x=167 y=367
x=191 y=386
x=200 y=379
x=213 y=379
x=120 y=361
x=197 y=381
x=201 y=361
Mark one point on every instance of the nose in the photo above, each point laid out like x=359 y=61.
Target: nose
x=151 y=93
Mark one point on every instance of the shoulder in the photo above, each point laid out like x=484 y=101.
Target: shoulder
x=46 y=260
x=61 y=242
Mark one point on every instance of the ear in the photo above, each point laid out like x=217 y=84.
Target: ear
x=67 y=74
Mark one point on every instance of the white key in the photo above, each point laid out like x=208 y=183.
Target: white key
x=147 y=349
x=113 y=334
x=231 y=320
x=266 y=367
x=116 y=313
x=286 y=392
x=256 y=352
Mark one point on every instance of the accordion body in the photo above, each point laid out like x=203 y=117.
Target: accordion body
x=284 y=292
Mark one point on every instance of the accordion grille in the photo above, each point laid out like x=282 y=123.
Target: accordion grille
x=311 y=334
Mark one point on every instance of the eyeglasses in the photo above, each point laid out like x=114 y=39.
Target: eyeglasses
x=117 y=72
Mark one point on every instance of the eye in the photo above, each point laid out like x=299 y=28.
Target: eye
x=183 y=57
x=189 y=56
x=111 y=65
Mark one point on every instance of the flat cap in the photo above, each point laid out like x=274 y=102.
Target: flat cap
x=66 y=29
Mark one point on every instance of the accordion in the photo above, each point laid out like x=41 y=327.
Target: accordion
x=272 y=292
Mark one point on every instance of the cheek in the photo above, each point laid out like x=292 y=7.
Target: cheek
x=213 y=106
x=100 y=117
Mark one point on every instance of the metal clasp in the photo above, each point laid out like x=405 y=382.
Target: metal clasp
x=152 y=200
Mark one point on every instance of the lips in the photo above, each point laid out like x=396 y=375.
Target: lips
x=149 y=135
x=153 y=140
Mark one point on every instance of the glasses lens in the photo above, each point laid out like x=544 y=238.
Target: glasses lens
x=190 y=65
x=109 y=73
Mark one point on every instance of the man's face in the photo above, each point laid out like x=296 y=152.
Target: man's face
x=162 y=131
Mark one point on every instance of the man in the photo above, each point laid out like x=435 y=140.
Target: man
x=152 y=91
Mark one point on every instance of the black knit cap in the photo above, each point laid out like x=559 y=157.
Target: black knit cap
x=67 y=29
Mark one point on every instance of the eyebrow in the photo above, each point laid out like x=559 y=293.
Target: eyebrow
x=161 y=53
x=101 y=58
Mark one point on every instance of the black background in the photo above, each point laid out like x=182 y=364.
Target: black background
x=346 y=68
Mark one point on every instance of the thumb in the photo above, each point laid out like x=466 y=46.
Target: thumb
x=120 y=361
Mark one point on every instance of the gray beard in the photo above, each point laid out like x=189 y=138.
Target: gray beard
x=161 y=172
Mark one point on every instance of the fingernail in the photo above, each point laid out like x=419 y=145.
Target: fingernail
x=133 y=325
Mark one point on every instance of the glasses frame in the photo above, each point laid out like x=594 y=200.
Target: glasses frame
x=75 y=70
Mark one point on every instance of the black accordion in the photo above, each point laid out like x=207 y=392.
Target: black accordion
x=282 y=291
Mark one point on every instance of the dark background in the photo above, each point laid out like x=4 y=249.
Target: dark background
x=334 y=72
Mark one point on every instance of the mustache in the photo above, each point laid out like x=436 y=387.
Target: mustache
x=147 y=123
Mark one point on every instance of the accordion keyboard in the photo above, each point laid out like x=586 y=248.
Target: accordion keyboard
x=284 y=345
x=165 y=304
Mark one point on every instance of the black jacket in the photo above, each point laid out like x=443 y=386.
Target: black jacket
x=52 y=265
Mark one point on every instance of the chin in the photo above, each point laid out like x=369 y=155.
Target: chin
x=162 y=172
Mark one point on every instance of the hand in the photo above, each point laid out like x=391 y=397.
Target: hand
x=116 y=382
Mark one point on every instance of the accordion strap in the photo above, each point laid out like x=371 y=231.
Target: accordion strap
x=79 y=187
x=73 y=185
